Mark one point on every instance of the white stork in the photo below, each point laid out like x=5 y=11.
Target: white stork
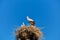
x=31 y=21
x=23 y=24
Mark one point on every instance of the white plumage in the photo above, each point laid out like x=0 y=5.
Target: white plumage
x=31 y=21
x=23 y=24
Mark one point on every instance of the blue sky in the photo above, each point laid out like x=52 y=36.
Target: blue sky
x=46 y=13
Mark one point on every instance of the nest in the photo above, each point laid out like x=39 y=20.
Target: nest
x=28 y=33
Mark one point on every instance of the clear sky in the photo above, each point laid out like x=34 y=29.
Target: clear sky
x=46 y=13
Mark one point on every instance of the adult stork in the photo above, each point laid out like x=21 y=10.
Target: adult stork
x=31 y=21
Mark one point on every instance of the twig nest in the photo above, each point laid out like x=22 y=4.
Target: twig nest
x=28 y=33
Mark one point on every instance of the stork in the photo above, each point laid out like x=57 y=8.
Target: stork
x=31 y=21
x=23 y=24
